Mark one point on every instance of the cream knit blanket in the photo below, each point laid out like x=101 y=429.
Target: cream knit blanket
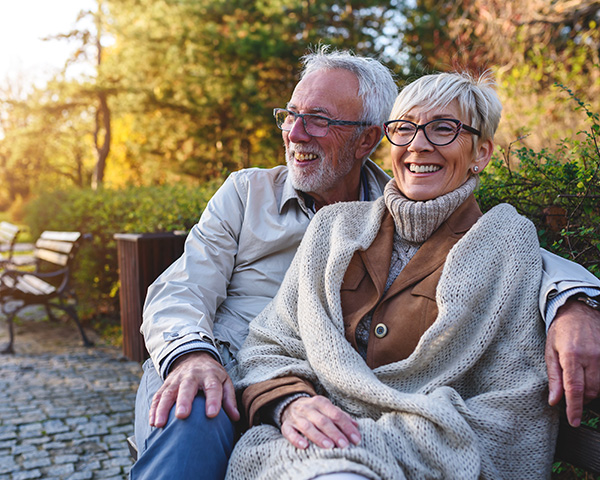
x=469 y=403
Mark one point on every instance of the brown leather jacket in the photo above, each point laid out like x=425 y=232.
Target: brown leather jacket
x=399 y=318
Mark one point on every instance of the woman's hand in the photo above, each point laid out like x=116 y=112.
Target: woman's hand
x=316 y=419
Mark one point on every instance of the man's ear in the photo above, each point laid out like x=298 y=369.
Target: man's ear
x=368 y=140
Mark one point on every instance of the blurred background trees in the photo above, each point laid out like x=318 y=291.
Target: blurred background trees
x=182 y=90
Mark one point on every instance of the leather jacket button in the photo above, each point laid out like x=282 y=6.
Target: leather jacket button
x=381 y=330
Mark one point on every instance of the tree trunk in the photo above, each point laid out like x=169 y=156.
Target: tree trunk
x=102 y=150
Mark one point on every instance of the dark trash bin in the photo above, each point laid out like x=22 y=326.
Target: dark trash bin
x=142 y=258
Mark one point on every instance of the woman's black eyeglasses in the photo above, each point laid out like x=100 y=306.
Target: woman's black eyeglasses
x=439 y=132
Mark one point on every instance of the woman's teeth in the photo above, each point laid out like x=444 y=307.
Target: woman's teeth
x=423 y=168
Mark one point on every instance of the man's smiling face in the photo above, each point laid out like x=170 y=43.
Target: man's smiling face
x=319 y=165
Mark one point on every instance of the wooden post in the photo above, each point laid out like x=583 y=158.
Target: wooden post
x=142 y=258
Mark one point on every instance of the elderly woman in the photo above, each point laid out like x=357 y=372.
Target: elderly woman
x=405 y=340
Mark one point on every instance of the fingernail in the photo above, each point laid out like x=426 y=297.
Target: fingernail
x=355 y=439
x=181 y=411
x=342 y=443
x=576 y=423
x=303 y=444
x=328 y=444
x=211 y=411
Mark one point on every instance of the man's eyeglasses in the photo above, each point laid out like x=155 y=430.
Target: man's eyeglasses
x=314 y=125
x=439 y=132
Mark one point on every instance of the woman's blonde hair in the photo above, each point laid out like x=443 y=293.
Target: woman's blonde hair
x=476 y=97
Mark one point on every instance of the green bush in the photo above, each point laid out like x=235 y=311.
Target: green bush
x=103 y=213
x=558 y=190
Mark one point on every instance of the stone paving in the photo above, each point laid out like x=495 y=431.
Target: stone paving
x=65 y=410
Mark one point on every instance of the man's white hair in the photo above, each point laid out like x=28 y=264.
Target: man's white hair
x=376 y=85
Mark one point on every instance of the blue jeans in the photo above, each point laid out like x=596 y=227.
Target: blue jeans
x=195 y=448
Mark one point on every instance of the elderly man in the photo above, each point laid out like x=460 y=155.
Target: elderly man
x=197 y=313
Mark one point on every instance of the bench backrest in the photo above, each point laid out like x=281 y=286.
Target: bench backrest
x=580 y=446
x=57 y=248
x=8 y=238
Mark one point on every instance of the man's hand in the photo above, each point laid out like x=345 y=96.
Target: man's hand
x=319 y=421
x=573 y=357
x=190 y=373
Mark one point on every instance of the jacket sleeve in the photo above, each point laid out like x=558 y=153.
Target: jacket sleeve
x=181 y=304
x=269 y=392
x=560 y=275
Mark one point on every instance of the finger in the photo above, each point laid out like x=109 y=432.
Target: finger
x=293 y=436
x=337 y=424
x=188 y=389
x=592 y=380
x=331 y=431
x=555 y=385
x=573 y=376
x=229 y=401
x=165 y=400
x=153 y=406
x=315 y=435
x=213 y=391
x=338 y=427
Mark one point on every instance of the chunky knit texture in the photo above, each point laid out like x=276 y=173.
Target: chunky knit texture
x=469 y=403
x=416 y=221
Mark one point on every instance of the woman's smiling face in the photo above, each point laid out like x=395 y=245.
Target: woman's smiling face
x=424 y=171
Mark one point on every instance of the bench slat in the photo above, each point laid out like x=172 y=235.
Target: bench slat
x=34 y=285
x=8 y=230
x=8 y=236
x=52 y=257
x=22 y=260
x=29 y=284
x=57 y=246
x=61 y=236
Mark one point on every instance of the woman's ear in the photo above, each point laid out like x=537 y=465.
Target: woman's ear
x=368 y=140
x=484 y=154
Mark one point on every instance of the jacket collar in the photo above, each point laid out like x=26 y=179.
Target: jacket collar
x=371 y=173
x=429 y=256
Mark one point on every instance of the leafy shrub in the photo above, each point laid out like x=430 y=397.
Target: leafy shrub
x=103 y=213
x=558 y=190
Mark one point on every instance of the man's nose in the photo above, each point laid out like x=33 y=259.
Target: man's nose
x=298 y=133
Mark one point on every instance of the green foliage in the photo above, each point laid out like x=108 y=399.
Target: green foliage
x=199 y=79
x=529 y=45
x=45 y=139
x=559 y=190
x=103 y=213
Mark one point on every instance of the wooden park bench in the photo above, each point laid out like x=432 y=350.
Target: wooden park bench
x=48 y=285
x=580 y=446
x=8 y=238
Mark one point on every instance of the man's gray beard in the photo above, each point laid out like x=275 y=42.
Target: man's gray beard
x=323 y=177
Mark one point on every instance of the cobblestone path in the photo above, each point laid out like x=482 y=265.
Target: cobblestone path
x=65 y=413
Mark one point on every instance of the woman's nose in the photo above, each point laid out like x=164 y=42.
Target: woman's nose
x=420 y=142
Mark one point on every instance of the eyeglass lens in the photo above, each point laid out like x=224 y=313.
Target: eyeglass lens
x=438 y=132
x=314 y=125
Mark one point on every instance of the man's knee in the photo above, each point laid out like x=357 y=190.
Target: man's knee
x=185 y=446
x=219 y=428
